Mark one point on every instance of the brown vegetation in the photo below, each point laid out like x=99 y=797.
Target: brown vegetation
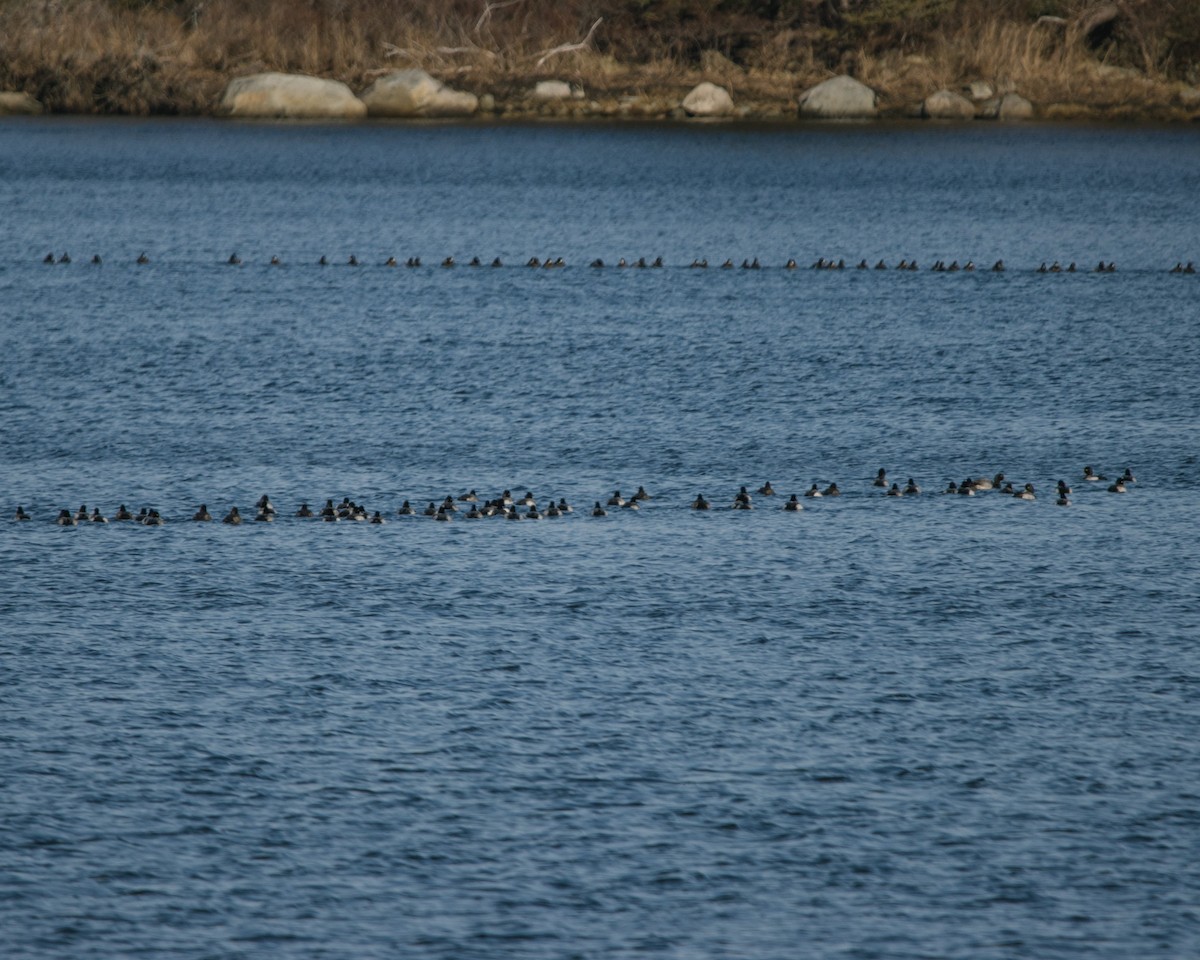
x=175 y=56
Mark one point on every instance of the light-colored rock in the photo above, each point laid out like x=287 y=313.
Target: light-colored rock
x=838 y=98
x=1011 y=106
x=708 y=100
x=1189 y=96
x=290 y=95
x=487 y=103
x=980 y=90
x=414 y=93
x=18 y=103
x=552 y=90
x=947 y=105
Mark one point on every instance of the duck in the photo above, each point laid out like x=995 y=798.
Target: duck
x=469 y=497
x=969 y=266
x=998 y=266
x=82 y=513
x=264 y=503
x=767 y=490
x=154 y=519
x=902 y=265
x=881 y=265
x=743 y=496
x=442 y=514
x=793 y=505
x=552 y=510
x=813 y=492
x=700 y=503
x=474 y=513
x=96 y=259
x=448 y=262
x=264 y=516
x=641 y=494
x=1026 y=493
x=911 y=489
x=377 y=517
x=951 y=487
x=1189 y=267
x=631 y=504
x=48 y=258
x=1117 y=486
x=1008 y=490
x=142 y=258
x=475 y=262
x=234 y=260
x=832 y=490
x=790 y=265
x=966 y=488
x=1090 y=475
x=390 y=262
x=862 y=265
x=599 y=511
x=405 y=510
x=323 y=262
x=564 y=507
x=527 y=500
x=21 y=514
x=275 y=262
x=616 y=500
x=1071 y=267
x=1128 y=477
x=983 y=483
x=233 y=516
x=1043 y=268
x=533 y=262
x=413 y=262
x=880 y=478
x=497 y=262
x=727 y=265
x=739 y=504
x=65 y=258
x=1055 y=267
x=97 y=516
x=353 y=261
x=1063 y=489
x=431 y=510
x=448 y=504
x=65 y=519
x=202 y=515
x=1063 y=500
x=123 y=513
x=304 y=511
x=597 y=264
x=622 y=263
x=895 y=491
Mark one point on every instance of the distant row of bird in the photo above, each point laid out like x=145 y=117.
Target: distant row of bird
x=551 y=263
x=471 y=506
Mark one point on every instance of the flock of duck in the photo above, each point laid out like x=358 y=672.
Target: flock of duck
x=551 y=263
x=472 y=507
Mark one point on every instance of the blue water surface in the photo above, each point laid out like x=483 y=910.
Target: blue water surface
x=917 y=727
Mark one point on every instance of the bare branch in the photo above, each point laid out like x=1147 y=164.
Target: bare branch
x=487 y=11
x=568 y=47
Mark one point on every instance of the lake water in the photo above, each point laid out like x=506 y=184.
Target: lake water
x=915 y=727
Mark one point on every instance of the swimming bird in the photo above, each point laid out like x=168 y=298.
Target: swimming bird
x=616 y=500
x=767 y=490
x=496 y=262
x=264 y=503
x=475 y=262
x=1091 y=475
x=48 y=258
x=21 y=514
x=353 y=261
x=1063 y=489
x=123 y=513
x=142 y=258
x=448 y=262
x=793 y=504
x=377 y=517
x=233 y=516
x=234 y=260
x=96 y=259
x=743 y=496
x=275 y=261
x=1117 y=486
x=442 y=514
x=1026 y=493
x=597 y=264
x=97 y=516
x=1063 y=500
x=998 y=266
x=832 y=490
x=727 y=265
x=323 y=262
x=790 y=265
x=599 y=511
x=264 y=516
x=895 y=491
x=881 y=265
x=862 y=265
x=641 y=494
x=65 y=258
x=81 y=514
x=65 y=519
x=911 y=489
x=813 y=492
x=431 y=510
x=202 y=514
x=700 y=503
x=153 y=519
x=951 y=487
x=880 y=478
x=1128 y=477
x=390 y=262
x=304 y=511
x=552 y=510
x=406 y=509
x=564 y=507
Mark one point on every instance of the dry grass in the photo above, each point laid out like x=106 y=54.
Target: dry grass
x=175 y=56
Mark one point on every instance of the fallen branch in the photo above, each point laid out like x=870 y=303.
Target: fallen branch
x=568 y=47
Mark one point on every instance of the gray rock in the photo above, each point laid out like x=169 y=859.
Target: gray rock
x=414 y=93
x=487 y=103
x=708 y=100
x=840 y=98
x=552 y=90
x=12 y=103
x=980 y=90
x=1011 y=106
x=290 y=95
x=947 y=105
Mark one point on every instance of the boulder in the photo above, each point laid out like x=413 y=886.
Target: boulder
x=708 y=100
x=552 y=90
x=290 y=95
x=979 y=90
x=18 y=103
x=1189 y=96
x=1013 y=106
x=947 y=105
x=414 y=93
x=841 y=97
